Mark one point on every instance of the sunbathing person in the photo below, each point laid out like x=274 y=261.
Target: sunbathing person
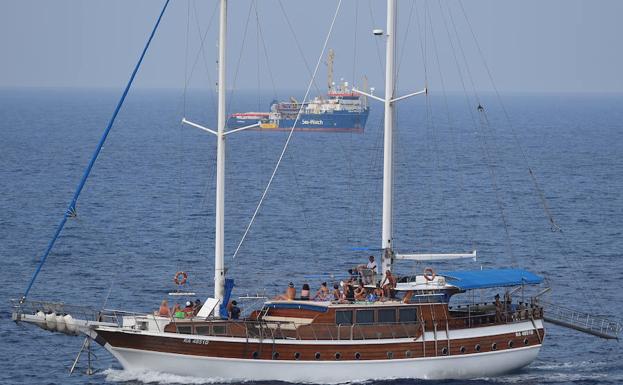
x=323 y=293
x=305 y=292
x=164 y=310
x=289 y=295
x=360 y=292
x=337 y=295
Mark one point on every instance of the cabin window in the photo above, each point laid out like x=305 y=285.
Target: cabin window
x=220 y=329
x=365 y=316
x=408 y=315
x=202 y=330
x=184 y=329
x=387 y=315
x=344 y=317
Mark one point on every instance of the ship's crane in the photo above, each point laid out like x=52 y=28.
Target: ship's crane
x=330 y=58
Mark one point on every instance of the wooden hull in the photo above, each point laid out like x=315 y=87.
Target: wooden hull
x=338 y=360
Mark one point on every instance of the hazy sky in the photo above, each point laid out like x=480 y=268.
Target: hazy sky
x=529 y=45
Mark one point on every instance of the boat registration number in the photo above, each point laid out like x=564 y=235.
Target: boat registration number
x=524 y=333
x=196 y=342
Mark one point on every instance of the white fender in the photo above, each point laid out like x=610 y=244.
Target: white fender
x=71 y=326
x=60 y=323
x=50 y=321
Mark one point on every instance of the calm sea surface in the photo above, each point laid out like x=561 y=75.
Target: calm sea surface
x=148 y=210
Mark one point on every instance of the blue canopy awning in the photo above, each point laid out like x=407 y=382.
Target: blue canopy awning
x=482 y=279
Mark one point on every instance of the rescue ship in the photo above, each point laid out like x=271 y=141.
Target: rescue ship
x=342 y=110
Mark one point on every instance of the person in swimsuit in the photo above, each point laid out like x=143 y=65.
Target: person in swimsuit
x=164 y=310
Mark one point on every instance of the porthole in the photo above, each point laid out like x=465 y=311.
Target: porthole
x=390 y=355
x=408 y=354
x=317 y=355
x=477 y=348
x=338 y=355
x=275 y=355
x=511 y=344
x=255 y=354
x=525 y=341
x=357 y=355
x=462 y=349
x=494 y=346
x=297 y=355
x=444 y=351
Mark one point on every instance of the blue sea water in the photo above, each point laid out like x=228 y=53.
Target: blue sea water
x=148 y=210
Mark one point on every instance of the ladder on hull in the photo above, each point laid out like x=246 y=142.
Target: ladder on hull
x=581 y=321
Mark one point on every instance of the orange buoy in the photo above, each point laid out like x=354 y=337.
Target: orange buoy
x=429 y=274
x=180 y=278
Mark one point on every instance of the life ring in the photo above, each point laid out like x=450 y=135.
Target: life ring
x=180 y=278
x=429 y=274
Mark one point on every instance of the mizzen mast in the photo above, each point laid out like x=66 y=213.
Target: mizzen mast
x=388 y=138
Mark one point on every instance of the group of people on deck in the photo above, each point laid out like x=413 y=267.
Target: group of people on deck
x=360 y=286
x=188 y=311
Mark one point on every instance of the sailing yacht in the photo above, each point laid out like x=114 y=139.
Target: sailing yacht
x=412 y=333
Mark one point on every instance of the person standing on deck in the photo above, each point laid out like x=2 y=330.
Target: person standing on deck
x=389 y=284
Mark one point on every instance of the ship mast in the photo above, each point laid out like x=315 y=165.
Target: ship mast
x=388 y=158
x=219 y=236
x=330 y=57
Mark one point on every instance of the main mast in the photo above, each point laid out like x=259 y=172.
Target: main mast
x=219 y=236
x=388 y=160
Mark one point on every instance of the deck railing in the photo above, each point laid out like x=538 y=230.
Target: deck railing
x=582 y=321
x=473 y=315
